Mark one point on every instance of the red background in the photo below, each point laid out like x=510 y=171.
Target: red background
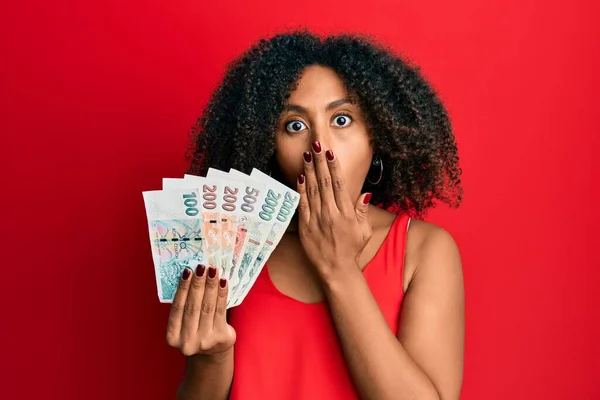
x=97 y=99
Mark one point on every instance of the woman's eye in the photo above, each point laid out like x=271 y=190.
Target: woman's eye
x=342 y=120
x=295 y=126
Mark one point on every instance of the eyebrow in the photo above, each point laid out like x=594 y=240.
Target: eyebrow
x=330 y=106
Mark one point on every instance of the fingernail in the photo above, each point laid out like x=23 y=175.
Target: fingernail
x=367 y=198
x=200 y=270
x=186 y=274
x=329 y=155
x=301 y=179
x=316 y=146
x=223 y=282
x=212 y=272
x=307 y=157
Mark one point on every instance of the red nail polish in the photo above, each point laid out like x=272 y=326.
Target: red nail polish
x=367 y=198
x=223 y=282
x=329 y=155
x=307 y=157
x=212 y=272
x=301 y=179
x=200 y=270
x=316 y=146
x=186 y=274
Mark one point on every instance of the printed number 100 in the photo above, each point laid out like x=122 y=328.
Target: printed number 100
x=190 y=202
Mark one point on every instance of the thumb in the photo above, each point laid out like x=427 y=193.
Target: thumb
x=362 y=207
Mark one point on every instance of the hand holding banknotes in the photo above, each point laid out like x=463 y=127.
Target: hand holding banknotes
x=197 y=322
x=334 y=231
x=229 y=221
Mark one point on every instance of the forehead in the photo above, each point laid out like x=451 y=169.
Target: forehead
x=318 y=84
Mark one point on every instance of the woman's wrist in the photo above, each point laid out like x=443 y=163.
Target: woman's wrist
x=340 y=277
x=216 y=358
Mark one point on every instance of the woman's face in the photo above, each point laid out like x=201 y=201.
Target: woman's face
x=320 y=109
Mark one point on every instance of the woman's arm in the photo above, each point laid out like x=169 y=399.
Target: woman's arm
x=207 y=377
x=198 y=327
x=425 y=360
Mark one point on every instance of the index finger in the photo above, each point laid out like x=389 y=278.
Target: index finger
x=177 y=307
x=342 y=198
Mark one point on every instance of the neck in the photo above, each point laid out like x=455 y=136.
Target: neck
x=377 y=218
x=293 y=226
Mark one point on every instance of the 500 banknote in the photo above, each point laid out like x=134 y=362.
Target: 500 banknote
x=279 y=207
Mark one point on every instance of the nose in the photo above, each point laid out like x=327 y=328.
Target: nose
x=322 y=134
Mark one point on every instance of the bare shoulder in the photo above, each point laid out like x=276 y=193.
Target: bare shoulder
x=431 y=327
x=424 y=235
x=430 y=249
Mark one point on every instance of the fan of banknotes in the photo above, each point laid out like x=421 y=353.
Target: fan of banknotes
x=227 y=220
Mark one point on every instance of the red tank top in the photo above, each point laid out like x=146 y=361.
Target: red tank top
x=288 y=350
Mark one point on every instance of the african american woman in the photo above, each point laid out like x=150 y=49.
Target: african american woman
x=361 y=299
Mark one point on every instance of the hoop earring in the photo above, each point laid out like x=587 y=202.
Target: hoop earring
x=377 y=162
